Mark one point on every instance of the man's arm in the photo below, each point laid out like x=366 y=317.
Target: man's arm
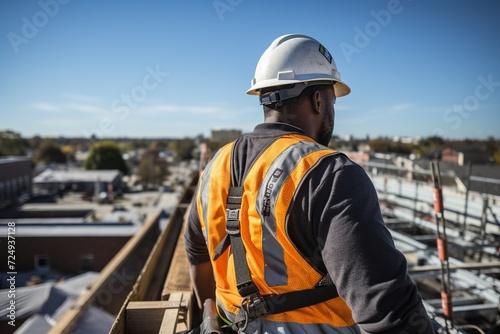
x=359 y=253
x=203 y=282
x=200 y=269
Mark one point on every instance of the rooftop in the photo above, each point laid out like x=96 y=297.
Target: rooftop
x=77 y=175
x=12 y=159
x=43 y=304
x=115 y=224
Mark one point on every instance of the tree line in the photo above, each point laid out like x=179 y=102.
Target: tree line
x=63 y=150
x=151 y=166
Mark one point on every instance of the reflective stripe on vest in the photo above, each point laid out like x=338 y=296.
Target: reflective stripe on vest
x=276 y=266
x=274 y=263
x=203 y=198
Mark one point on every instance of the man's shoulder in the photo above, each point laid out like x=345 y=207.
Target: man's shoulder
x=338 y=160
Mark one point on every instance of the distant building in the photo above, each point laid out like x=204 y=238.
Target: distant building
x=348 y=138
x=358 y=157
x=69 y=245
x=461 y=156
x=406 y=140
x=225 y=136
x=364 y=148
x=15 y=181
x=78 y=180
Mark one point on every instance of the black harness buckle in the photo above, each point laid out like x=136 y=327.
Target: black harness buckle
x=233 y=221
x=251 y=307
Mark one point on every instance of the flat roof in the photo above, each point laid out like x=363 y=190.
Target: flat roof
x=13 y=159
x=116 y=224
x=77 y=175
x=73 y=230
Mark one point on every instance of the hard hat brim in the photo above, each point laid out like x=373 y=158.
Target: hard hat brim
x=340 y=88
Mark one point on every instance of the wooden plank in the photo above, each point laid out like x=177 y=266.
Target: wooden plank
x=143 y=286
x=178 y=278
x=147 y=317
x=183 y=319
x=169 y=322
x=69 y=319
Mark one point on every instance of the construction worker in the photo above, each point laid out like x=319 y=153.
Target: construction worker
x=286 y=234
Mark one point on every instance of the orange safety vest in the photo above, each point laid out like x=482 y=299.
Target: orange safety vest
x=275 y=265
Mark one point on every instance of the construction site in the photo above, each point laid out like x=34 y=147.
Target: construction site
x=449 y=234
x=111 y=111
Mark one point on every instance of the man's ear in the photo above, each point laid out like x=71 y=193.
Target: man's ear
x=316 y=101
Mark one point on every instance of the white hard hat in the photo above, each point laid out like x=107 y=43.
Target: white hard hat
x=295 y=59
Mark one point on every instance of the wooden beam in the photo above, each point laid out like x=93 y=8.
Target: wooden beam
x=69 y=319
x=147 y=317
x=178 y=278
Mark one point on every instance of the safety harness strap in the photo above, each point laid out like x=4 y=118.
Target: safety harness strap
x=243 y=278
x=297 y=299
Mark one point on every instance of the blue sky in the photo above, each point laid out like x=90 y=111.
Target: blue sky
x=181 y=68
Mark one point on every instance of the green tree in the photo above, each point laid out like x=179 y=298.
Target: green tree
x=183 y=148
x=496 y=157
x=11 y=143
x=69 y=152
x=379 y=145
x=106 y=155
x=429 y=146
x=432 y=141
x=50 y=153
x=153 y=168
x=35 y=142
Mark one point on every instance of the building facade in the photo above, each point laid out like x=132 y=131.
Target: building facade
x=86 y=181
x=15 y=181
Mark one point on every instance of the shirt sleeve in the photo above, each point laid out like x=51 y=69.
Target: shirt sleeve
x=360 y=256
x=194 y=242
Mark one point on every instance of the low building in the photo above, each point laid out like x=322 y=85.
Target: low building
x=15 y=181
x=358 y=157
x=77 y=180
x=69 y=245
x=463 y=155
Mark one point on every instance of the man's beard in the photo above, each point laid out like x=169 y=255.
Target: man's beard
x=326 y=130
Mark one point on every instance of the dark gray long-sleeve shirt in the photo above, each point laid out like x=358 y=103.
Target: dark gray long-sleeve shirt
x=335 y=223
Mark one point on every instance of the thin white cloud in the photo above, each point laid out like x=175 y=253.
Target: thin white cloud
x=355 y=120
x=45 y=107
x=59 y=122
x=401 y=107
x=390 y=109
x=203 y=110
x=83 y=107
x=157 y=109
x=79 y=97
x=167 y=108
